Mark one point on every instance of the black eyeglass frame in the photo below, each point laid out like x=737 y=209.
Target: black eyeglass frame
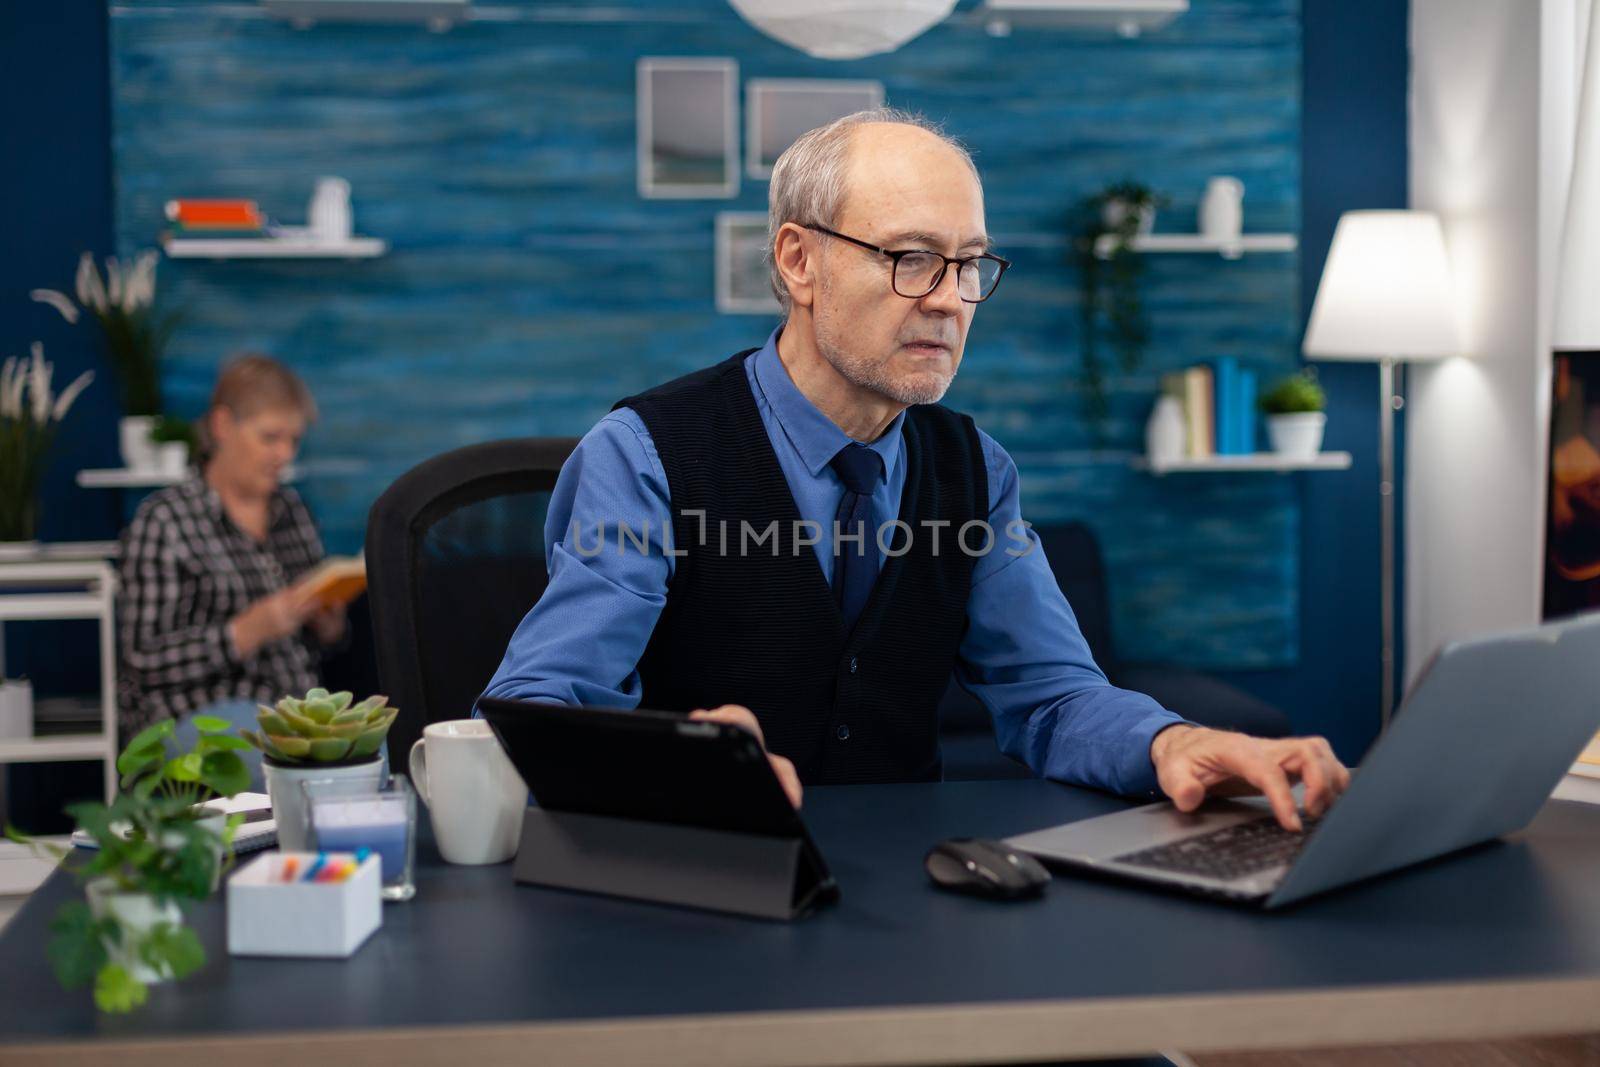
x=938 y=279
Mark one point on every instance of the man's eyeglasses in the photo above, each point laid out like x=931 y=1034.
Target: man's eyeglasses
x=918 y=272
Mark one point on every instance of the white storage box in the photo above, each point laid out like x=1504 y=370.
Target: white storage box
x=268 y=916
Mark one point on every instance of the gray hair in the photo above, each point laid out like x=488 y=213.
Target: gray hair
x=808 y=180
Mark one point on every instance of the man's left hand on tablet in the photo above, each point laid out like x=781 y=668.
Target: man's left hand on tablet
x=745 y=719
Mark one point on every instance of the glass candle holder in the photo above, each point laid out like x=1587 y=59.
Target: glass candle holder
x=344 y=815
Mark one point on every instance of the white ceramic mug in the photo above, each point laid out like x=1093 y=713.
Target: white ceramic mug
x=475 y=797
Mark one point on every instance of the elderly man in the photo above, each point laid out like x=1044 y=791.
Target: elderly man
x=802 y=540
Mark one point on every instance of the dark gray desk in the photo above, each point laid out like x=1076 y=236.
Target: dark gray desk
x=1502 y=940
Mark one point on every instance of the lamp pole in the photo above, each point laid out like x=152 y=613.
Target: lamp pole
x=1390 y=402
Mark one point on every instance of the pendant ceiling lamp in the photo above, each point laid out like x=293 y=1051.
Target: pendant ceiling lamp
x=843 y=29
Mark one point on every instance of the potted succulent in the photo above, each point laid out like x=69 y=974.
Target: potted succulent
x=1295 y=416
x=155 y=848
x=319 y=735
x=173 y=441
x=29 y=417
x=1110 y=285
x=136 y=334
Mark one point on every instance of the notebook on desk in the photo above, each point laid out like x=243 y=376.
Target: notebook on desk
x=258 y=831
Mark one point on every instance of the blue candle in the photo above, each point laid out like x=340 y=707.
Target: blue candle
x=378 y=823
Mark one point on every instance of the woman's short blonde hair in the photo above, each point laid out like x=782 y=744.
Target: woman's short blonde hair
x=250 y=383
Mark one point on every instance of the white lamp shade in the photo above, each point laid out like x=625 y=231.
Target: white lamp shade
x=843 y=29
x=1386 y=291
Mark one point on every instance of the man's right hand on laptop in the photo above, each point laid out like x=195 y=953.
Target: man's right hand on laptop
x=1192 y=762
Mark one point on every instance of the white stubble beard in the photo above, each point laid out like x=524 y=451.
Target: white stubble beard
x=865 y=373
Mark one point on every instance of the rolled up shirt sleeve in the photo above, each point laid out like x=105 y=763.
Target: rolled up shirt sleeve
x=606 y=533
x=1026 y=660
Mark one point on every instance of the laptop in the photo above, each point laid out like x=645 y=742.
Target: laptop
x=1487 y=732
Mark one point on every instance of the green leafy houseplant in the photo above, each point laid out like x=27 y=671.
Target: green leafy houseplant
x=322 y=728
x=136 y=331
x=1294 y=395
x=30 y=414
x=152 y=842
x=169 y=429
x=1110 y=287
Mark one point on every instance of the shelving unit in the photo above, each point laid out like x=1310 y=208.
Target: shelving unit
x=80 y=589
x=294 y=247
x=1199 y=243
x=1269 y=462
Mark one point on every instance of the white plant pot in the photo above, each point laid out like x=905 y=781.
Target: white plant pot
x=138 y=451
x=172 y=458
x=1297 y=436
x=288 y=800
x=137 y=912
x=1112 y=212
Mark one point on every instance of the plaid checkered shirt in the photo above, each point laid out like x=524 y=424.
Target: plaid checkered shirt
x=186 y=570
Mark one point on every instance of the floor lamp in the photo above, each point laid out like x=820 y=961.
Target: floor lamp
x=1385 y=295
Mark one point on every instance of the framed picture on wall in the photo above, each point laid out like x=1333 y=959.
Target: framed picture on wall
x=688 y=127
x=744 y=285
x=779 y=110
x=1572 y=508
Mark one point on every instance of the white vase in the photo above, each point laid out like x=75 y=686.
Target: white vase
x=138 y=451
x=1222 y=208
x=137 y=913
x=1165 y=432
x=288 y=800
x=1297 y=436
x=328 y=214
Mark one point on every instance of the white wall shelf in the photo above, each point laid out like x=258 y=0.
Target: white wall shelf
x=273 y=248
x=1194 y=242
x=1243 y=464
x=123 y=478
x=67 y=590
x=1126 y=18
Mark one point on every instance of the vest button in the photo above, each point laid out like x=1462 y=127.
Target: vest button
x=844 y=733
x=854 y=663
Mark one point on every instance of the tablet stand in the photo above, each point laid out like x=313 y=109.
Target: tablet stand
x=721 y=870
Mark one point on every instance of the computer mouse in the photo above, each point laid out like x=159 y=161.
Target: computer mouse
x=985 y=868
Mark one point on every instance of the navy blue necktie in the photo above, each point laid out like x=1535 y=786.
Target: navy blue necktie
x=855 y=564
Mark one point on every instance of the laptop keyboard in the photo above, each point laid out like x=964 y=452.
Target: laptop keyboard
x=1231 y=852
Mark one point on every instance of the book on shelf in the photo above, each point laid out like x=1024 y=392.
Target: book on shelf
x=337 y=580
x=1199 y=412
x=214 y=215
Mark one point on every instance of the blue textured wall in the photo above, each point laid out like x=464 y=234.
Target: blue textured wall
x=530 y=286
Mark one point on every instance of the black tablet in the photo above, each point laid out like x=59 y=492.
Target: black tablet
x=650 y=766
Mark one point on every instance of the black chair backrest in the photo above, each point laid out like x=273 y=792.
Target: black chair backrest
x=1074 y=555
x=455 y=558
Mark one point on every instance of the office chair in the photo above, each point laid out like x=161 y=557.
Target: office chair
x=455 y=558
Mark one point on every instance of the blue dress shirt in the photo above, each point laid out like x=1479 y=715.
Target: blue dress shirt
x=1023 y=655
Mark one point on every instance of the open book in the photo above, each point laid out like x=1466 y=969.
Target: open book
x=258 y=830
x=337 y=580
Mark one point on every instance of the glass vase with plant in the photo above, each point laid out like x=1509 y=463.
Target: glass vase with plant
x=155 y=849
x=1109 y=275
x=30 y=414
x=136 y=331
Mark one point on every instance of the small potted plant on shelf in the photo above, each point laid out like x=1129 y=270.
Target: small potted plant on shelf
x=319 y=735
x=1109 y=281
x=1295 y=415
x=136 y=333
x=30 y=414
x=173 y=440
x=155 y=848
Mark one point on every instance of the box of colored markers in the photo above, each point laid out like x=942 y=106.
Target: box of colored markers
x=304 y=904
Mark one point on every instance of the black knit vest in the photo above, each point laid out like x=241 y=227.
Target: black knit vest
x=762 y=629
